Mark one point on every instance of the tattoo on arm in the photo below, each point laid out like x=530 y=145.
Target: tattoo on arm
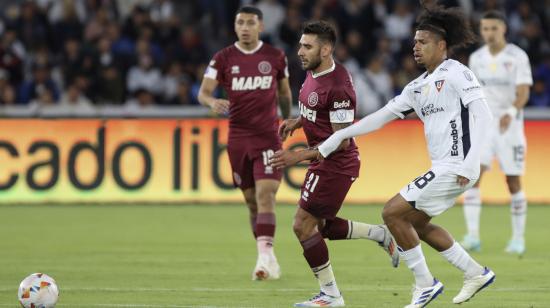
x=339 y=126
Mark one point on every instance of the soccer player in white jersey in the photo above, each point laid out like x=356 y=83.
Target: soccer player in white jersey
x=504 y=71
x=449 y=101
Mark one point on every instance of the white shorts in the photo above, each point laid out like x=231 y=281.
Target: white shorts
x=509 y=148
x=435 y=191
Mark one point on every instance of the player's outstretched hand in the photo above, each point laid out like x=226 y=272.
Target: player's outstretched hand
x=505 y=123
x=284 y=158
x=288 y=127
x=220 y=106
x=462 y=181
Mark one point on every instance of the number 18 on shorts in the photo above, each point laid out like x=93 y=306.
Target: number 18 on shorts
x=434 y=191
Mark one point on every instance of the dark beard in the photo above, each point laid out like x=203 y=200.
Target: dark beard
x=313 y=65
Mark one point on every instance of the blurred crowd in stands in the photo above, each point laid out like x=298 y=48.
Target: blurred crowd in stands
x=85 y=53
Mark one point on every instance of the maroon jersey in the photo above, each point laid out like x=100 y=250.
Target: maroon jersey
x=250 y=79
x=325 y=98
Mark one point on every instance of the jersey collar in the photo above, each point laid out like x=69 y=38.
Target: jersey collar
x=436 y=69
x=249 y=52
x=325 y=71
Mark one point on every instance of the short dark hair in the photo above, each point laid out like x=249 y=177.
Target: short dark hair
x=325 y=31
x=449 y=23
x=248 y=9
x=494 y=14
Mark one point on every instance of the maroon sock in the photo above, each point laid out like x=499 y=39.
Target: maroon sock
x=336 y=229
x=265 y=224
x=315 y=250
x=253 y=218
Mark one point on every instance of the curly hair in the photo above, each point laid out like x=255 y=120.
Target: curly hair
x=449 y=23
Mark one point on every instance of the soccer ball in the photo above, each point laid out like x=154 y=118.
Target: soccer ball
x=38 y=291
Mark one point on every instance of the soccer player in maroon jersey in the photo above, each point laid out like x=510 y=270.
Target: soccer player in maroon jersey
x=327 y=104
x=255 y=77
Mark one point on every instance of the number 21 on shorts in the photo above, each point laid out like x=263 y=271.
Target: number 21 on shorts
x=310 y=185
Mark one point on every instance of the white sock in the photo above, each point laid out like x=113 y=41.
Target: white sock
x=414 y=258
x=326 y=279
x=265 y=245
x=518 y=208
x=362 y=230
x=472 y=211
x=457 y=256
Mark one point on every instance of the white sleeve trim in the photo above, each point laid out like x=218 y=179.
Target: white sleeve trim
x=397 y=113
x=472 y=98
x=342 y=116
x=211 y=73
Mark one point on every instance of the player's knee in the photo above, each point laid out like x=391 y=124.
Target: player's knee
x=298 y=228
x=303 y=229
x=513 y=183
x=388 y=213
x=265 y=198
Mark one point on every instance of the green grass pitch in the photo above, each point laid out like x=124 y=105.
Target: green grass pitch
x=202 y=256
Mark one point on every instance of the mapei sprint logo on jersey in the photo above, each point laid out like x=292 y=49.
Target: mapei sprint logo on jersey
x=454 y=138
x=308 y=114
x=251 y=83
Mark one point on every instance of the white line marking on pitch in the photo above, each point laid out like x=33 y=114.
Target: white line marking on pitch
x=352 y=289
x=129 y=305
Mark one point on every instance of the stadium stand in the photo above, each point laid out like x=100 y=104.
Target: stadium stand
x=147 y=57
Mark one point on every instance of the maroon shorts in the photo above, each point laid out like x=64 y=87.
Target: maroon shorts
x=323 y=193
x=249 y=159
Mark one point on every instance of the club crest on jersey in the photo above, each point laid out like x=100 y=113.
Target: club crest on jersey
x=235 y=69
x=468 y=76
x=341 y=114
x=508 y=66
x=312 y=99
x=264 y=67
x=439 y=84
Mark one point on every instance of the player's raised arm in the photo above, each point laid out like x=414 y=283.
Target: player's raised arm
x=366 y=125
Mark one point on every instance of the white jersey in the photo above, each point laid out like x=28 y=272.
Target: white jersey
x=440 y=100
x=500 y=74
